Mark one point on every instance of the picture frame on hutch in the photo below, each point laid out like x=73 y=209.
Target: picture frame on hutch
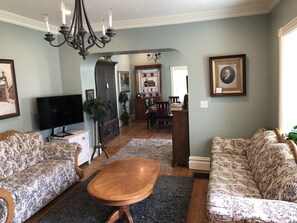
x=148 y=80
x=124 y=81
x=9 y=104
x=227 y=75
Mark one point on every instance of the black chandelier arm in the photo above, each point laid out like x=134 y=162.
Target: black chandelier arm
x=58 y=45
x=49 y=38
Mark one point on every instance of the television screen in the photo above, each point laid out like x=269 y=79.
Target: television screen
x=58 y=111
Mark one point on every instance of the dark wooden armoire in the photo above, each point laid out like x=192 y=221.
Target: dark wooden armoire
x=106 y=89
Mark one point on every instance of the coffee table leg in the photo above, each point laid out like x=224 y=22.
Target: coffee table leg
x=122 y=213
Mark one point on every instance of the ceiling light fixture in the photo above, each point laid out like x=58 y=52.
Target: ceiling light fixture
x=75 y=35
x=154 y=56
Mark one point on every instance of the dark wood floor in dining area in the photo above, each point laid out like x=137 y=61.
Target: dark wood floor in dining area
x=197 y=207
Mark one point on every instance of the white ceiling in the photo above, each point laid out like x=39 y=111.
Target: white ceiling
x=132 y=13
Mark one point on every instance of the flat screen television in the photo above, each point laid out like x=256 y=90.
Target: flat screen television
x=59 y=111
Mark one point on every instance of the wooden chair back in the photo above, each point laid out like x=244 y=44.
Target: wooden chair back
x=173 y=99
x=163 y=109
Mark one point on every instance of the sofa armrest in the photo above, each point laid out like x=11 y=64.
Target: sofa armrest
x=63 y=151
x=264 y=210
x=236 y=146
x=7 y=206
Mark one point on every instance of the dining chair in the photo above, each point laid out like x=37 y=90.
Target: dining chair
x=150 y=115
x=163 y=119
x=173 y=99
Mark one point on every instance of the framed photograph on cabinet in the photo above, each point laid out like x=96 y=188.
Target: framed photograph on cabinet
x=9 y=105
x=148 y=80
x=124 y=80
x=228 y=75
x=89 y=94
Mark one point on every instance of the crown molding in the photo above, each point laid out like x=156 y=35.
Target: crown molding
x=149 y=22
x=25 y=22
x=270 y=5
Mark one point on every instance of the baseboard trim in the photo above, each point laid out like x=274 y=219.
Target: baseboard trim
x=199 y=163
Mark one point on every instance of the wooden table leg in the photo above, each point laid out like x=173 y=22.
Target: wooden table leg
x=122 y=213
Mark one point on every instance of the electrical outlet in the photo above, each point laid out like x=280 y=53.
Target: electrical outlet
x=203 y=104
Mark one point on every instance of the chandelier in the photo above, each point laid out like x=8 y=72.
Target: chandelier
x=154 y=56
x=75 y=35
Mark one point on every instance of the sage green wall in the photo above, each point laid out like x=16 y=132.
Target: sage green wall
x=37 y=67
x=226 y=116
x=282 y=15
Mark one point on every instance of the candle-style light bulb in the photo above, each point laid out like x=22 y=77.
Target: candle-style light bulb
x=110 y=17
x=46 y=22
x=63 y=11
x=103 y=28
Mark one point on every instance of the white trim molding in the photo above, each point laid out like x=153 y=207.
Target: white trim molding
x=199 y=163
x=291 y=26
x=254 y=9
x=25 y=22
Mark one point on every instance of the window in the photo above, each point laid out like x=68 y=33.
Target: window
x=288 y=76
x=179 y=81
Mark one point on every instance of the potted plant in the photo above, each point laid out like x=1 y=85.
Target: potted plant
x=123 y=98
x=293 y=134
x=97 y=108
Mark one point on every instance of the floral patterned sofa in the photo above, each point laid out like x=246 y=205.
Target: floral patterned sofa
x=32 y=173
x=253 y=180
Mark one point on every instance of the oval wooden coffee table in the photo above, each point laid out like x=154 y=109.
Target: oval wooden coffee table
x=124 y=182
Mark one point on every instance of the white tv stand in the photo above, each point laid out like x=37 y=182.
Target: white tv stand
x=81 y=137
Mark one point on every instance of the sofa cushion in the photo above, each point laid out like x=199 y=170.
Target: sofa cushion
x=19 y=151
x=281 y=172
x=257 y=150
x=36 y=186
x=230 y=176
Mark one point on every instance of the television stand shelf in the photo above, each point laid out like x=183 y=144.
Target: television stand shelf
x=81 y=137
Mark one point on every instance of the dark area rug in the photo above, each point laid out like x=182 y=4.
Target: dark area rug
x=169 y=203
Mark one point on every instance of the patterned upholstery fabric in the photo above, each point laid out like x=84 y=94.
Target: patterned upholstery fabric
x=258 y=147
x=34 y=173
x=280 y=180
x=233 y=193
x=19 y=151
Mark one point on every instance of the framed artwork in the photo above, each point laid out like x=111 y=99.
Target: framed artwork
x=124 y=80
x=89 y=94
x=228 y=75
x=148 y=80
x=9 y=105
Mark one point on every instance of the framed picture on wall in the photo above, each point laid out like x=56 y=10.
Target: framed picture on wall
x=9 y=105
x=148 y=80
x=124 y=80
x=89 y=94
x=228 y=75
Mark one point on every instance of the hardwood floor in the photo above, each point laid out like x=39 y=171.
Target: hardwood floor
x=197 y=207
